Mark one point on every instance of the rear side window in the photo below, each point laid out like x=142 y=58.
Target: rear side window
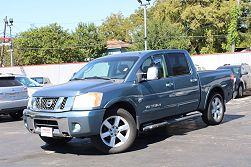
x=177 y=64
x=9 y=82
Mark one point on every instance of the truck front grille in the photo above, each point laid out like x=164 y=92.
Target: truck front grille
x=52 y=104
x=46 y=103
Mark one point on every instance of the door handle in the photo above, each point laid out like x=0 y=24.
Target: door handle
x=194 y=80
x=170 y=84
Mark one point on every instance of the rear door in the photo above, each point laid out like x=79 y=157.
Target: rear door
x=186 y=84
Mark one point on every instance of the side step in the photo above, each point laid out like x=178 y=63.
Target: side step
x=171 y=121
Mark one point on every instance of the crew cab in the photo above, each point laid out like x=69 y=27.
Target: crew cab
x=114 y=98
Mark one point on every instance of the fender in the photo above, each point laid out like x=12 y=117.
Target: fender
x=127 y=99
x=208 y=92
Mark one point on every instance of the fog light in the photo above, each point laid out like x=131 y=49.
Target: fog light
x=76 y=127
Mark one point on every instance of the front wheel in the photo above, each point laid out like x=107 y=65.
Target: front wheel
x=55 y=140
x=214 y=113
x=117 y=132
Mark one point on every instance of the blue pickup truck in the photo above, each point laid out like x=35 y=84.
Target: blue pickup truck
x=114 y=98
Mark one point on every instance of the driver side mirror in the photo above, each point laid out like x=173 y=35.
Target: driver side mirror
x=152 y=73
x=244 y=73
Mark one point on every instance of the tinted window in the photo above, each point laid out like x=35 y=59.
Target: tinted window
x=9 y=82
x=177 y=64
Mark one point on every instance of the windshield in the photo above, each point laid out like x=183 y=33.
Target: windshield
x=106 y=68
x=38 y=80
x=28 y=82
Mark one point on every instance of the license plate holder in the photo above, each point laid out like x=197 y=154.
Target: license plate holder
x=46 y=132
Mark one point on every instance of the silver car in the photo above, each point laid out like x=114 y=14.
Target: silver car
x=13 y=97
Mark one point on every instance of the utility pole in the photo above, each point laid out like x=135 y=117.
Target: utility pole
x=4 y=35
x=145 y=23
x=145 y=20
x=10 y=24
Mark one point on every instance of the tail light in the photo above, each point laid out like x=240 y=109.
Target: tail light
x=232 y=77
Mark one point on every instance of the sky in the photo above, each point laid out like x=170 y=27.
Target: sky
x=68 y=13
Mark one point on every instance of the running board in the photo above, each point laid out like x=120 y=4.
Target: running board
x=171 y=121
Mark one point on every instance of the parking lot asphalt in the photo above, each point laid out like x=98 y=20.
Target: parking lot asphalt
x=188 y=143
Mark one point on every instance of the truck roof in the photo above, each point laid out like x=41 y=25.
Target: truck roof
x=143 y=53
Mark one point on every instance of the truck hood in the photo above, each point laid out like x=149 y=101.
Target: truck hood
x=74 y=88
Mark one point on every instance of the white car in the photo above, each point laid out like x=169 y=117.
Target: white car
x=32 y=85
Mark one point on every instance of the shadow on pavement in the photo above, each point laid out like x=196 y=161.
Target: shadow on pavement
x=85 y=147
x=7 y=118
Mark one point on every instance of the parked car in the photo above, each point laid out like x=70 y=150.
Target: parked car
x=114 y=98
x=32 y=85
x=242 y=75
x=13 y=97
x=42 y=80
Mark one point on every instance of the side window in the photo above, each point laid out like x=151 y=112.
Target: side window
x=158 y=61
x=177 y=64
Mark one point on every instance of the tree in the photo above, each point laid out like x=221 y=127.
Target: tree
x=117 y=27
x=90 y=41
x=233 y=36
x=162 y=35
x=45 y=45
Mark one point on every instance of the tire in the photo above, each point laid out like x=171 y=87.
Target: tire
x=240 y=91
x=16 y=115
x=55 y=140
x=214 y=113
x=117 y=132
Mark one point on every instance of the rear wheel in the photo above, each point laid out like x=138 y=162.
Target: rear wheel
x=117 y=132
x=55 y=140
x=214 y=113
x=16 y=115
x=240 y=91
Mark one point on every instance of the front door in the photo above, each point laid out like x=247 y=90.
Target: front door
x=156 y=94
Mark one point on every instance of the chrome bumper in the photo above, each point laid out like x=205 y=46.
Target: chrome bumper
x=63 y=123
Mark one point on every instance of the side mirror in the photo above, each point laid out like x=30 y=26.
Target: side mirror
x=152 y=73
x=244 y=73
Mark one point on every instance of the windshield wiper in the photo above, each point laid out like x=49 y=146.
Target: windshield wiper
x=74 y=79
x=96 y=77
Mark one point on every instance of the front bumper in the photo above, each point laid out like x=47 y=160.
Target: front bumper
x=62 y=123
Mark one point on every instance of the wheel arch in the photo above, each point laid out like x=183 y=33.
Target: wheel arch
x=127 y=105
x=216 y=89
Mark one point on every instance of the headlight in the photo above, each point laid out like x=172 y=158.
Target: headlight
x=87 y=101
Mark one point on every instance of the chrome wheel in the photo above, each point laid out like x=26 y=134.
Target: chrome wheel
x=217 y=109
x=114 y=131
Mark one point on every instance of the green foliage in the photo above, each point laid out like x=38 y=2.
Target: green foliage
x=117 y=27
x=233 y=36
x=162 y=35
x=90 y=41
x=52 y=44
